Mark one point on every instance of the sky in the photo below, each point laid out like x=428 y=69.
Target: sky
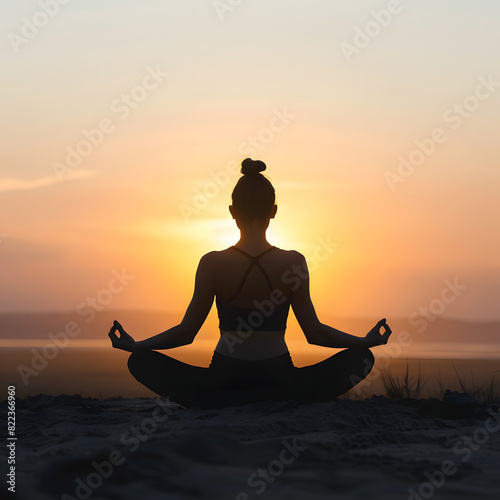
x=124 y=122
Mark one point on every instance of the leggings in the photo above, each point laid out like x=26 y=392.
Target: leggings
x=231 y=382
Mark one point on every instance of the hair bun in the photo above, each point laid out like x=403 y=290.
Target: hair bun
x=252 y=167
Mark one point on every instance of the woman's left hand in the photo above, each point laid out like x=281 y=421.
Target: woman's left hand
x=374 y=337
x=125 y=341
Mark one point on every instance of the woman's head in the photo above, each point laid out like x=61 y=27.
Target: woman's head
x=253 y=196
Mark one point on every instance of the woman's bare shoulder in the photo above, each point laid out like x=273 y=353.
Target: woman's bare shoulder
x=220 y=256
x=214 y=257
x=291 y=256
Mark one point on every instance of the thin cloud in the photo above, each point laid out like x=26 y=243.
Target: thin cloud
x=13 y=184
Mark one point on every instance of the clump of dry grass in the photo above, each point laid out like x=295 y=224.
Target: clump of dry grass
x=406 y=387
x=486 y=393
x=398 y=389
x=411 y=387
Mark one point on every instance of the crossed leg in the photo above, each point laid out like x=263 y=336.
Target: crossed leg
x=166 y=376
x=189 y=385
x=335 y=375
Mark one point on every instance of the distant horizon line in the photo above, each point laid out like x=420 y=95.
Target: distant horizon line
x=426 y=350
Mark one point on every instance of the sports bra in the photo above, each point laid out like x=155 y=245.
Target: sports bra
x=269 y=315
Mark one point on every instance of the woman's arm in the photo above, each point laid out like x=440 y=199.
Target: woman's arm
x=323 y=335
x=185 y=332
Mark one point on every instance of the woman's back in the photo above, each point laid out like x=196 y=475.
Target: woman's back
x=253 y=296
x=240 y=280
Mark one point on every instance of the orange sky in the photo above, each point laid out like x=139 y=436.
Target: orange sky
x=208 y=93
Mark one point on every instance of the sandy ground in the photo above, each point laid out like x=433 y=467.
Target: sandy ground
x=73 y=447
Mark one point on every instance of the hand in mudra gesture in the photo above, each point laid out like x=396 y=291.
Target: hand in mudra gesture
x=375 y=337
x=124 y=341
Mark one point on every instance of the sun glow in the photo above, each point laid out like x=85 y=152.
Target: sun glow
x=224 y=233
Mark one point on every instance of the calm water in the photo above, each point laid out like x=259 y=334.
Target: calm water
x=93 y=368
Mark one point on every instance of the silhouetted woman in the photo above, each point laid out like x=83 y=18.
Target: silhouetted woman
x=254 y=284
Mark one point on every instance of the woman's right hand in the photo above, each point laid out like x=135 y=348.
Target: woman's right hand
x=124 y=341
x=374 y=337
